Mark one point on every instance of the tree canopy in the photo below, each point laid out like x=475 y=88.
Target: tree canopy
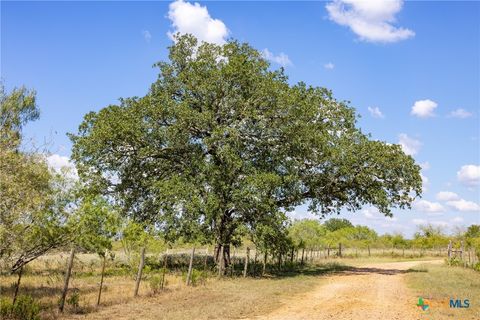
x=222 y=141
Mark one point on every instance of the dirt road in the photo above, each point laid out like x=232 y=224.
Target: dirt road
x=373 y=292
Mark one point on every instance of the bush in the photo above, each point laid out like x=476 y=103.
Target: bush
x=74 y=301
x=156 y=283
x=455 y=261
x=198 y=277
x=25 y=308
x=476 y=267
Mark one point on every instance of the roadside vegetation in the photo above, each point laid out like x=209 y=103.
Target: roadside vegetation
x=440 y=283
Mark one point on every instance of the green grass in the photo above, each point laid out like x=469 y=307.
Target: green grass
x=439 y=283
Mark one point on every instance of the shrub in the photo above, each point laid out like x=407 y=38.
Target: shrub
x=198 y=277
x=476 y=267
x=25 y=308
x=156 y=283
x=74 y=300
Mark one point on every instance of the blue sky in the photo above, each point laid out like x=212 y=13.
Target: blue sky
x=411 y=70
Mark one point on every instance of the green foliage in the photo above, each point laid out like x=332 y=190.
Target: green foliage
x=429 y=236
x=17 y=108
x=221 y=142
x=155 y=282
x=198 y=277
x=25 y=308
x=96 y=225
x=307 y=233
x=335 y=224
x=35 y=202
x=74 y=300
x=476 y=267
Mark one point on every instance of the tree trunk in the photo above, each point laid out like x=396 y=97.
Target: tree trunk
x=140 y=271
x=222 y=250
x=67 y=279
x=101 y=278
x=303 y=254
x=221 y=265
x=17 y=285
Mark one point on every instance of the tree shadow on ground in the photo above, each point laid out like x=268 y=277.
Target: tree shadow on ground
x=338 y=269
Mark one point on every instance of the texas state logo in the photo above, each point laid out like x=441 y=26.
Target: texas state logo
x=423 y=304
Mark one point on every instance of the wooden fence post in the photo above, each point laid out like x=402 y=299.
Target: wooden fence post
x=101 y=278
x=264 y=262
x=140 y=271
x=164 y=271
x=255 y=263
x=340 y=249
x=67 y=279
x=206 y=260
x=232 y=262
x=461 y=250
x=190 y=267
x=246 y=263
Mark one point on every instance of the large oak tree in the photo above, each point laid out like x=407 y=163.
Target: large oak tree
x=222 y=141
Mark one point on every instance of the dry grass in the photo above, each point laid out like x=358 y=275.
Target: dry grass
x=218 y=299
x=439 y=283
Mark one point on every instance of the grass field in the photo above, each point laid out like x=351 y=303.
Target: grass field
x=439 y=283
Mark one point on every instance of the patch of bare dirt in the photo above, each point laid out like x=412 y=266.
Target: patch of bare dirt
x=374 y=291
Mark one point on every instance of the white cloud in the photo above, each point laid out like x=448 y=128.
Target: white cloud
x=409 y=145
x=425 y=182
x=425 y=165
x=375 y=112
x=419 y=221
x=469 y=175
x=329 y=66
x=61 y=163
x=281 y=59
x=447 y=196
x=371 y=20
x=195 y=19
x=460 y=113
x=427 y=206
x=146 y=35
x=457 y=219
x=464 y=205
x=372 y=213
x=423 y=108
x=440 y=223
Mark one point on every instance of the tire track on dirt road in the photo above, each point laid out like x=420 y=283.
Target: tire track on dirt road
x=373 y=292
